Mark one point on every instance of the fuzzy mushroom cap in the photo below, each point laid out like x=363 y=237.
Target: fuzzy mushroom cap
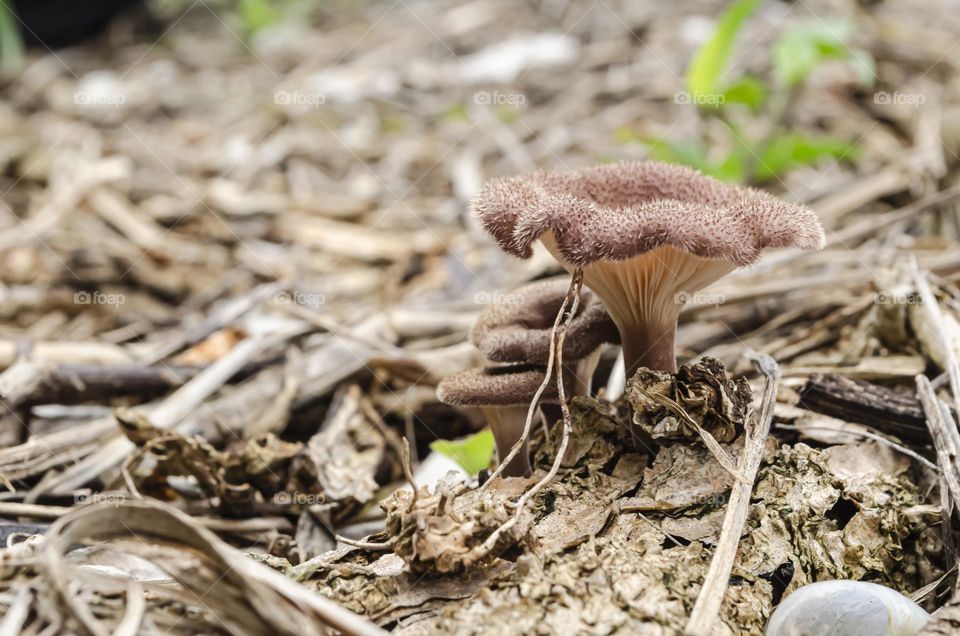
x=520 y=331
x=512 y=385
x=646 y=234
x=618 y=211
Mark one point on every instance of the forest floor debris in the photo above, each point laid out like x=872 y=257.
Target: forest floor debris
x=227 y=294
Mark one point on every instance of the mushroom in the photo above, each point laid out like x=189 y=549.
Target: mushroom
x=519 y=331
x=503 y=394
x=646 y=235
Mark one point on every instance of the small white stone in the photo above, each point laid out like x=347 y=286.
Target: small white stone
x=846 y=608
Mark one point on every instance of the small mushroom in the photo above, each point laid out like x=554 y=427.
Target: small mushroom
x=504 y=395
x=520 y=331
x=846 y=608
x=646 y=234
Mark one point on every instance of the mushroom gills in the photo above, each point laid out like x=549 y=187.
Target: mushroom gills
x=644 y=296
x=846 y=608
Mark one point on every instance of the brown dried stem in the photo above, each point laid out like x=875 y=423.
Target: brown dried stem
x=560 y=330
x=572 y=300
x=706 y=610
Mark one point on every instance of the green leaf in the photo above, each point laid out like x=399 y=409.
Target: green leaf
x=625 y=135
x=257 y=14
x=800 y=50
x=747 y=90
x=710 y=62
x=11 y=44
x=684 y=153
x=456 y=112
x=732 y=169
x=792 y=150
x=473 y=452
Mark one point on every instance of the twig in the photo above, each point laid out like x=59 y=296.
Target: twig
x=706 y=610
x=867 y=434
x=255 y=584
x=366 y=545
x=17 y=612
x=920 y=593
x=332 y=326
x=946 y=438
x=551 y=357
x=408 y=472
x=164 y=415
x=672 y=538
x=932 y=309
x=227 y=313
x=559 y=333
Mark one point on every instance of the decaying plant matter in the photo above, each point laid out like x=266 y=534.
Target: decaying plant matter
x=664 y=404
x=622 y=539
x=233 y=275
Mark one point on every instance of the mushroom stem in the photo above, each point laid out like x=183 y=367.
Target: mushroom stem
x=585 y=370
x=647 y=347
x=507 y=424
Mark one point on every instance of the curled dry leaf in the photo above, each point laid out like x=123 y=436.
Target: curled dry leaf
x=343 y=460
x=169 y=466
x=702 y=390
x=436 y=531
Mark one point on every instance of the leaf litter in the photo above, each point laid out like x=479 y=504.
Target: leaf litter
x=245 y=331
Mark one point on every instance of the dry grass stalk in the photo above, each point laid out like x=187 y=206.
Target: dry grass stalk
x=566 y=312
x=244 y=594
x=564 y=318
x=707 y=607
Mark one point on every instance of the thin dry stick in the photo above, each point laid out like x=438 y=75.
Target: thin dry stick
x=165 y=414
x=403 y=448
x=932 y=308
x=373 y=546
x=660 y=530
x=919 y=594
x=243 y=584
x=880 y=439
x=136 y=605
x=558 y=335
x=943 y=430
x=946 y=442
x=572 y=298
x=17 y=612
x=408 y=472
x=706 y=610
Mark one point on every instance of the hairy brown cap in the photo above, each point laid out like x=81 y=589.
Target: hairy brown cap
x=511 y=385
x=618 y=211
x=520 y=330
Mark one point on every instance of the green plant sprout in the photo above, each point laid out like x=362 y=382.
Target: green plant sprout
x=11 y=44
x=248 y=16
x=258 y=14
x=748 y=102
x=473 y=452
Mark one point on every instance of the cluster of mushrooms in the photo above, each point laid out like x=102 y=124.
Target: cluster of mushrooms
x=516 y=337
x=640 y=236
